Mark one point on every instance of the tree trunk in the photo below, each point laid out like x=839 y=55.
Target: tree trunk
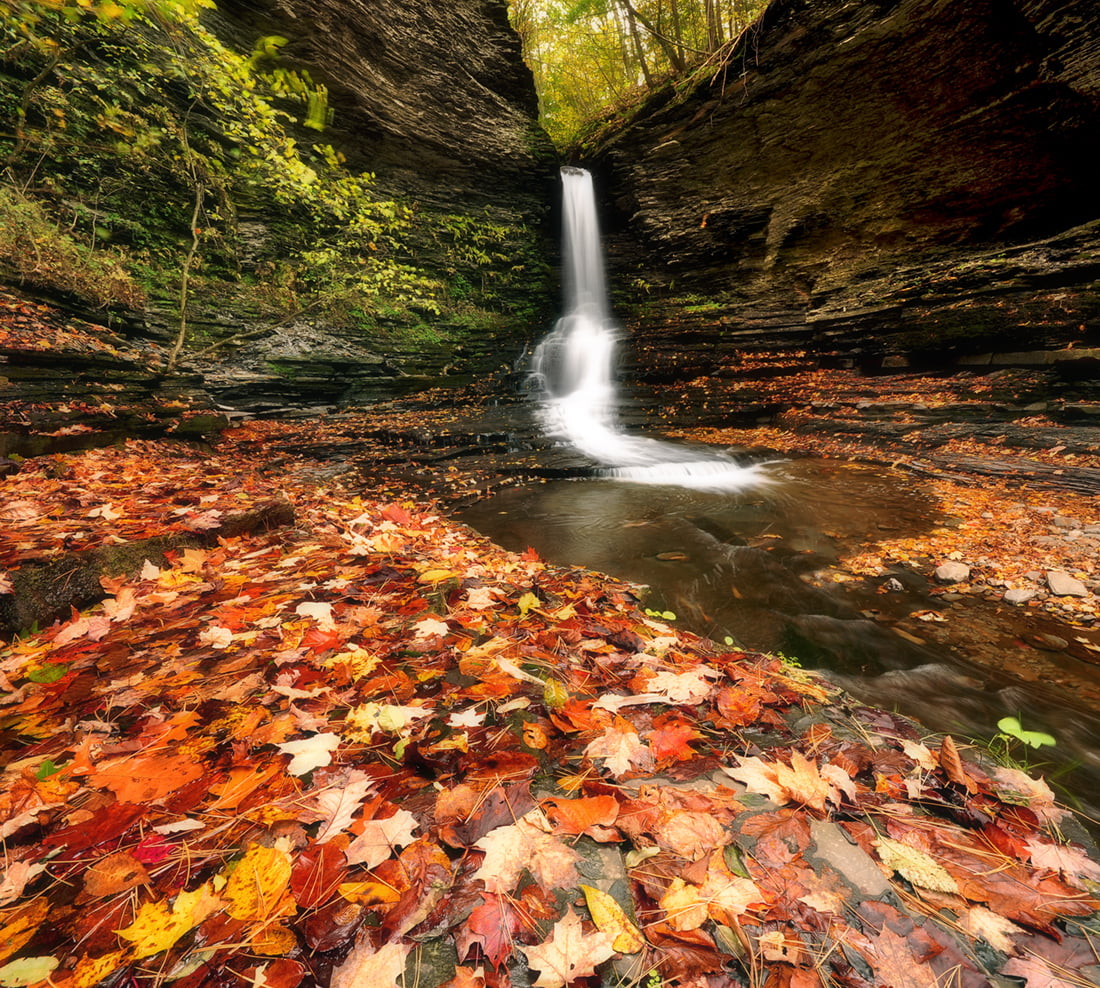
x=636 y=42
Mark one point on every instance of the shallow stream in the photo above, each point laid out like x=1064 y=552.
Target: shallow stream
x=758 y=566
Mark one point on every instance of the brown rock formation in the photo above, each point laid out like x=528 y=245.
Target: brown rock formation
x=911 y=176
x=432 y=97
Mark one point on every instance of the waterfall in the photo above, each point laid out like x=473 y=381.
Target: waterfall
x=573 y=371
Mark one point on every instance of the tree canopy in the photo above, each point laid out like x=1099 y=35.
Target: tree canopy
x=589 y=56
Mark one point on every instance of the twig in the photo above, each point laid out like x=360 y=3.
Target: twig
x=184 y=277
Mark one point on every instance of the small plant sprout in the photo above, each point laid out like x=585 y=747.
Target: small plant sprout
x=1010 y=727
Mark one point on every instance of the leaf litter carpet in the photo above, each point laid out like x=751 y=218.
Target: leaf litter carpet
x=367 y=747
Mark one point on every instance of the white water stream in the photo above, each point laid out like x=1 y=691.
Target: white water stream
x=574 y=371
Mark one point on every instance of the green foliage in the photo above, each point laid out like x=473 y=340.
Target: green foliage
x=37 y=249
x=592 y=58
x=133 y=116
x=1011 y=728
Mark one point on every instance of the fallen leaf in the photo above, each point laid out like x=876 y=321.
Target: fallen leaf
x=609 y=917
x=310 y=753
x=380 y=838
x=367 y=967
x=257 y=888
x=568 y=953
x=159 y=925
x=620 y=749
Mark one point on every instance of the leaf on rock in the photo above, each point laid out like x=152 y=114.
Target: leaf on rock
x=336 y=807
x=493 y=926
x=915 y=866
x=27 y=971
x=569 y=953
x=953 y=766
x=114 y=873
x=894 y=963
x=802 y=782
x=14 y=879
x=591 y=815
x=683 y=688
x=1037 y=973
x=257 y=888
x=990 y=927
x=684 y=907
x=692 y=834
x=366 y=967
x=1072 y=862
x=380 y=838
x=621 y=749
x=146 y=778
x=159 y=925
x=609 y=917
x=509 y=850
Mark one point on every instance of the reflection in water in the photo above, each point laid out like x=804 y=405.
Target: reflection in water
x=729 y=565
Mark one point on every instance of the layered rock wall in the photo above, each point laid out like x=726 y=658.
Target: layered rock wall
x=434 y=98
x=887 y=175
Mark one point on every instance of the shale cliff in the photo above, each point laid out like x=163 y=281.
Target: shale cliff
x=434 y=98
x=881 y=180
x=326 y=202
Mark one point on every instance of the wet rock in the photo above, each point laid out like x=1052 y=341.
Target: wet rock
x=952 y=572
x=1063 y=585
x=893 y=585
x=1061 y=521
x=1049 y=643
x=855 y=864
x=1019 y=595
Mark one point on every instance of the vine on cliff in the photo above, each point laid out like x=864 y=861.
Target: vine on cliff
x=125 y=110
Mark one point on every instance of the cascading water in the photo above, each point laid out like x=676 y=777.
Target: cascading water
x=573 y=371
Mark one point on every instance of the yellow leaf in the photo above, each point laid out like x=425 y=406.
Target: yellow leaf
x=526 y=603
x=90 y=971
x=368 y=893
x=257 y=887
x=438 y=575
x=23 y=925
x=609 y=918
x=158 y=926
x=274 y=941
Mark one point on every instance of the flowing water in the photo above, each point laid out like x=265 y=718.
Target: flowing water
x=745 y=553
x=573 y=372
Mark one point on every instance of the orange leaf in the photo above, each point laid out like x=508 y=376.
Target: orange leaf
x=145 y=779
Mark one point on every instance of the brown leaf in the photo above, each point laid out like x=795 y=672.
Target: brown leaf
x=952 y=764
x=114 y=873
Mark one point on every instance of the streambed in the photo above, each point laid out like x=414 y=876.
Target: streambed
x=759 y=566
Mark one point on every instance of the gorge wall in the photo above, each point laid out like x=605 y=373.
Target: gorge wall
x=435 y=101
x=886 y=180
x=433 y=98
x=301 y=297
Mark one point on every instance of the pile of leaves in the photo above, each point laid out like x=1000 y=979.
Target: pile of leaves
x=368 y=747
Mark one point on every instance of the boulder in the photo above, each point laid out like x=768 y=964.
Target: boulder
x=1063 y=585
x=951 y=572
